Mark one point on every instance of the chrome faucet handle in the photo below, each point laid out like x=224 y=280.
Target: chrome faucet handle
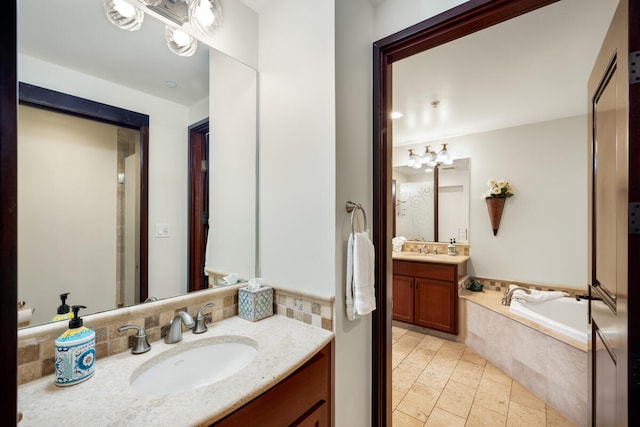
x=201 y=325
x=175 y=327
x=141 y=344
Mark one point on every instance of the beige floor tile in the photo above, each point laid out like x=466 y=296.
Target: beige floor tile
x=407 y=342
x=493 y=395
x=404 y=376
x=479 y=416
x=419 y=401
x=451 y=350
x=524 y=397
x=470 y=355
x=436 y=375
x=467 y=373
x=556 y=419
x=397 y=332
x=431 y=343
x=419 y=357
x=456 y=398
x=441 y=418
x=397 y=356
x=400 y=419
x=494 y=374
x=522 y=416
x=396 y=397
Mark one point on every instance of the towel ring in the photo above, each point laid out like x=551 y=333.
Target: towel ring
x=352 y=208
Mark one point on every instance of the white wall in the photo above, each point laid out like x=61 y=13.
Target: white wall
x=354 y=180
x=543 y=232
x=392 y=16
x=297 y=145
x=167 y=163
x=232 y=172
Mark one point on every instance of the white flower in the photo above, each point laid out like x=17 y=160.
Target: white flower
x=498 y=188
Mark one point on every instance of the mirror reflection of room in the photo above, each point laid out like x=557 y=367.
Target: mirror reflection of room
x=58 y=52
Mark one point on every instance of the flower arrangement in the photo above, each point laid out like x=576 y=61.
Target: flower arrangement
x=498 y=189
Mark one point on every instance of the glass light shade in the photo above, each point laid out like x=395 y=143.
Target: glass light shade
x=180 y=42
x=414 y=161
x=429 y=156
x=123 y=15
x=205 y=16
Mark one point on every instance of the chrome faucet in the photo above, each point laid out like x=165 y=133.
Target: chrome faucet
x=175 y=329
x=508 y=294
x=201 y=325
x=424 y=248
x=140 y=343
x=435 y=249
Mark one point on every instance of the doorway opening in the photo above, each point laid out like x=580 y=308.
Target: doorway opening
x=198 y=204
x=455 y=23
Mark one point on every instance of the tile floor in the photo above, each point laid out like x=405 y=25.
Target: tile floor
x=440 y=383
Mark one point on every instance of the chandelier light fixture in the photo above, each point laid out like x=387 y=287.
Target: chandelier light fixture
x=205 y=16
x=429 y=158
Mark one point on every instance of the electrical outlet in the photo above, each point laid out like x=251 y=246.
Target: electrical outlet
x=162 y=230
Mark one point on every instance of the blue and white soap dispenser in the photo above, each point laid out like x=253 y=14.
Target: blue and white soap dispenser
x=75 y=352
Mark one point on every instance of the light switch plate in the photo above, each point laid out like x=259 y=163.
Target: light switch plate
x=162 y=230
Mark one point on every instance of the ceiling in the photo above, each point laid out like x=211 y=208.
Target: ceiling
x=53 y=32
x=529 y=69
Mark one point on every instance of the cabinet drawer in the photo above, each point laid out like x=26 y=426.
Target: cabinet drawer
x=425 y=270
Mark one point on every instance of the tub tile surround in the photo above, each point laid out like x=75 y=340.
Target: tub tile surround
x=501 y=285
x=550 y=366
x=36 y=344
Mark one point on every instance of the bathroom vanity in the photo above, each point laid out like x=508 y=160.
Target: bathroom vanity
x=425 y=289
x=287 y=383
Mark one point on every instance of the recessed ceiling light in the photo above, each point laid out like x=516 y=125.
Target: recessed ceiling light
x=171 y=84
x=396 y=114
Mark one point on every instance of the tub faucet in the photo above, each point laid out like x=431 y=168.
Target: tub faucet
x=506 y=299
x=175 y=329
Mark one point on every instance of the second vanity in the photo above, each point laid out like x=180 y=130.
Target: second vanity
x=291 y=355
x=425 y=289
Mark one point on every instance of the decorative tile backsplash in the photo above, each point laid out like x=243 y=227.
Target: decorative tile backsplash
x=415 y=246
x=36 y=344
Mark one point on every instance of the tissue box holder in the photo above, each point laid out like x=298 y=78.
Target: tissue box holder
x=255 y=305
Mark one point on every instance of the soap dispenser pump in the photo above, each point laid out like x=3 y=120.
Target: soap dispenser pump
x=451 y=248
x=64 y=311
x=75 y=352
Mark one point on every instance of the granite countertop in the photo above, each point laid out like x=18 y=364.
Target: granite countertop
x=434 y=258
x=106 y=399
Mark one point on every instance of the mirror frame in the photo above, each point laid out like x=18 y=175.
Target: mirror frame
x=454 y=23
x=63 y=103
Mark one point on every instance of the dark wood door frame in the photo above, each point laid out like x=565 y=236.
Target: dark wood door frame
x=198 y=203
x=460 y=21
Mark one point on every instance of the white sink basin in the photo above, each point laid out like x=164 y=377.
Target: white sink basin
x=193 y=365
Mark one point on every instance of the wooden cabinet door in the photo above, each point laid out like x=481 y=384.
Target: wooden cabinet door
x=403 y=298
x=435 y=305
x=316 y=417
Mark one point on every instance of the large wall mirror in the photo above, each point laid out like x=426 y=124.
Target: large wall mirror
x=432 y=203
x=69 y=46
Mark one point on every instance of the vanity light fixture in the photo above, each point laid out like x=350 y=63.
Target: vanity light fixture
x=180 y=42
x=205 y=16
x=415 y=161
x=396 y=115
x=123 y=15
x=429 y=158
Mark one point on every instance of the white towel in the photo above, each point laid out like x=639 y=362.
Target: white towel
x=536 y=296
x=364 y=297
x=351 y=312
